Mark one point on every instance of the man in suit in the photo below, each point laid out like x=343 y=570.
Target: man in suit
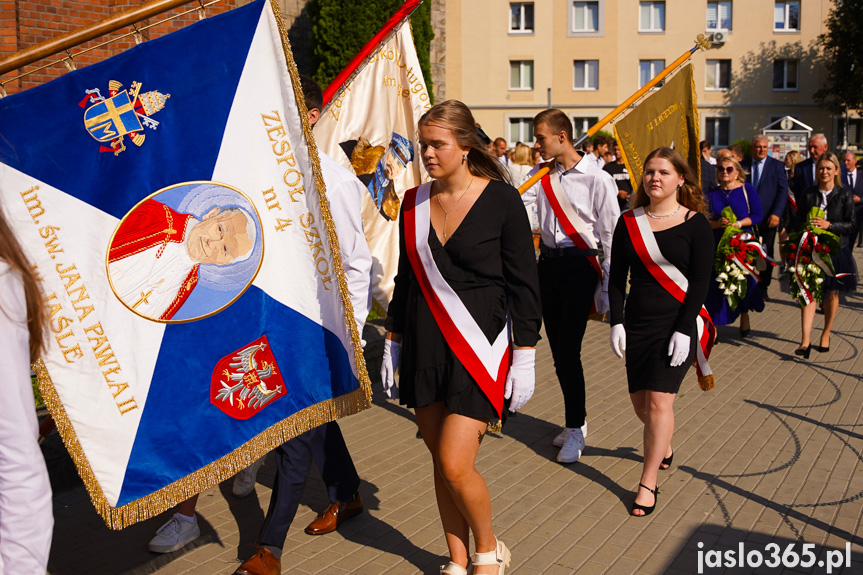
x=851 y=179
x=804 y=173
x=769 y=180
x=708 y=167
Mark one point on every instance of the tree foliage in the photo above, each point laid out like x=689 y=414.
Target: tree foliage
x=842 y=47
x=340 y=28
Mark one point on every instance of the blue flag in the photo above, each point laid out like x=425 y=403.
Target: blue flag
x=172 y=203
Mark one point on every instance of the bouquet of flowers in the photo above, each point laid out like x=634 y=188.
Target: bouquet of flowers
x=809 y=261
x=737 y=255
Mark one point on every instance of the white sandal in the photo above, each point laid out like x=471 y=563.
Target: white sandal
x=452 y=569
x=500 y=557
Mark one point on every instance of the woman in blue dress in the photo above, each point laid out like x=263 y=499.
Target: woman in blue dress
x=732 y=190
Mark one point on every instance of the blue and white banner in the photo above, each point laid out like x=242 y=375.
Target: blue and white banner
x=172 y=203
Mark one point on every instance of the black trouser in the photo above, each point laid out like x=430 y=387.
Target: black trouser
x=293 y=458
x=768 y=236
x=566 y=288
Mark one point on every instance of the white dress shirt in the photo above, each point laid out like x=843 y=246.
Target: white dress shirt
x=26 y=517
x=345 y=196
x=592 y=193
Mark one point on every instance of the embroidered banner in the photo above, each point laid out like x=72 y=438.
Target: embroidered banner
x=176 y=215
x=370 y=127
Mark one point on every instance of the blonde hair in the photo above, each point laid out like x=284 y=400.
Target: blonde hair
x=828 y=157
x=455 y=116
x=11 y=253
x=522 y=155
x=796 y=158
x=689 y=193
x=741 y=173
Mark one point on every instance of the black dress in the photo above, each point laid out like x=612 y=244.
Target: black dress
x=490 y=263
x=652 y=314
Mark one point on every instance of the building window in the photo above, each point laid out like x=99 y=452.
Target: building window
x=855 y=131
x=651 y=17
x=719 y=16
x=786 y=16
x=521 y=17
x=585 y=16
x=718 y=74
x=585 y=75
x=581 y=125
x=784 y=75
x=520 y=130
x=647 y=69
x=521 y=75
x=717 y=131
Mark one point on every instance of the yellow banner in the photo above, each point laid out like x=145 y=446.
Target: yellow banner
x=669 y=117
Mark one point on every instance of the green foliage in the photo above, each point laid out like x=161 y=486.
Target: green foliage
x=342 y=27
x=603 y=133
x=746 y=145
x=842 y=48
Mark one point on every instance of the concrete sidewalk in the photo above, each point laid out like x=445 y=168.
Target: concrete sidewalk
x=772 y=455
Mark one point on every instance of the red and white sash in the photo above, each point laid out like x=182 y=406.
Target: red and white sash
x=675 y=283
x=575 y=228
x=753 y=244
x=486 y=363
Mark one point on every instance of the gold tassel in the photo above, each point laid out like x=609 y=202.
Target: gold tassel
x=705 y=382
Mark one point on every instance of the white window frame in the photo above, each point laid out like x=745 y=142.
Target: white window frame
x=787 y=16
x=654 y=72
x=586 y=123
x=719 y=26
x=522 y=68
x=522 y=30
x=717 y=69
x=785 y=87
x=525 y=124
x=716 y=120
x=586 y=75
x=651 y=28
x=575 y=5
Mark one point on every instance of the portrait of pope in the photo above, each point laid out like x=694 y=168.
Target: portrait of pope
x=158 y=253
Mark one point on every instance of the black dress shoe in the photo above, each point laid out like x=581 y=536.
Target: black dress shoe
x=803 y=351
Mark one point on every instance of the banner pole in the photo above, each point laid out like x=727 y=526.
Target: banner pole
x=701 y=43
x=356 y=63
x=74 y=38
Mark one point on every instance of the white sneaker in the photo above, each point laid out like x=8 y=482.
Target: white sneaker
x=560 y=439
x=244 y=481
x=572 y=448
x=174 y=534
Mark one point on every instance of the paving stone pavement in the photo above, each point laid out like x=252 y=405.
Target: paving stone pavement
x=773 y=455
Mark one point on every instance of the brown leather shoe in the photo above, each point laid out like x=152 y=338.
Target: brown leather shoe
x=261 y=563
x=335 y=515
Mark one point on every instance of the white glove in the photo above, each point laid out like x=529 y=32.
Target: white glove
x=390 y=362
x=520 y=379
x=678 y=348
x=617 y=338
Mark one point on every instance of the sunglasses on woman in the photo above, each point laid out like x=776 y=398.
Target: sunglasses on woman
x=726 y=169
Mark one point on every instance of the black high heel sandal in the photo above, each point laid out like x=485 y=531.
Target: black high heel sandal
x=647 y=510
x=666 y=461
x=803 y=351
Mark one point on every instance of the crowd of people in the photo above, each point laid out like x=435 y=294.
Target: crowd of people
x=471 y=295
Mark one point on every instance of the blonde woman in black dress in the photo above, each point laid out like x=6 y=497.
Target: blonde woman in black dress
x=479 y=239
x=656 y=331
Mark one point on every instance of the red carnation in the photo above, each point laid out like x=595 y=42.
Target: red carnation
x=827 y=249
x=804 y=260
x=729 y=257
x=791 y=256
x=735 y=242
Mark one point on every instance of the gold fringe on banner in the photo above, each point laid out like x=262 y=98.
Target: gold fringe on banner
x=298 y=423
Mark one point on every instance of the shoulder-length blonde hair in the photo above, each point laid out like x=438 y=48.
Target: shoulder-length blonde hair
x=455 y=116
x=689 y=193
x=795 y=157
x=741 y=173
x=522 y=155
x=828 y=157
x=11 y=253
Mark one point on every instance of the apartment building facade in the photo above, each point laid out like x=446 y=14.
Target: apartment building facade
x=509 y=60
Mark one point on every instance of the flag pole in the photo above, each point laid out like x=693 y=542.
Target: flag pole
x=382 y=37
x=701 y=43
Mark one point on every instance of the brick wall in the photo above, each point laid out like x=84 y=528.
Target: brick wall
x=25 y=23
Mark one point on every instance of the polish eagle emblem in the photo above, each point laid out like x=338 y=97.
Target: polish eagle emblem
x=246 y=381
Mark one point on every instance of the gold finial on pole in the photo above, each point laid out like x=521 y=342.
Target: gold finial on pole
x=703 y=42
